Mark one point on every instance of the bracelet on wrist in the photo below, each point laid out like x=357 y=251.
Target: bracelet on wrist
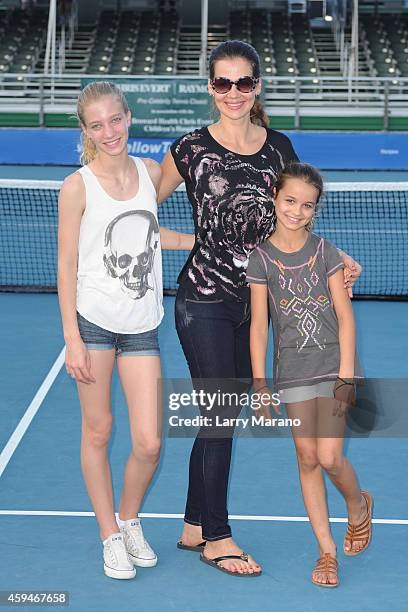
x=348 y=381
x=260 y=388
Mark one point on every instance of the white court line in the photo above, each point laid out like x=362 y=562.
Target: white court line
x=234 y=517
x=30 y=413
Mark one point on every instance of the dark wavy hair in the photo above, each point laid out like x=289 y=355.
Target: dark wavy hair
x=231 y=49
x=302 y=171
x=306 y=173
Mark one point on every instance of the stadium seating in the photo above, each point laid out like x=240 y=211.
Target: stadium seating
x=21 y=37
x=388 y=40
x=149 y=42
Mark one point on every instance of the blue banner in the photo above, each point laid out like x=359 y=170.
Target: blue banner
x=325 y=150
x=61 y=147
x=352 y=150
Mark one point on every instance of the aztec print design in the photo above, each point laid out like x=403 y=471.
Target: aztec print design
x=297 y=283
x=233 y=211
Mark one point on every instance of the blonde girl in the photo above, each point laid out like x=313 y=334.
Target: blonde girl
x=110 y=294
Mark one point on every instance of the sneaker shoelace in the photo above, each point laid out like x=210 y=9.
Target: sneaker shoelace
x=137 y=539
x=117 y=552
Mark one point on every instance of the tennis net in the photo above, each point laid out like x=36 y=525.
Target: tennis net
x=367 y=220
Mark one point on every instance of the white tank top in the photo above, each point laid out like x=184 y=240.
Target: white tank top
x=119 y=285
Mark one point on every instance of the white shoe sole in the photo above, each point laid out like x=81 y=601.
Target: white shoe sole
x=142 y=562
x=119 y=574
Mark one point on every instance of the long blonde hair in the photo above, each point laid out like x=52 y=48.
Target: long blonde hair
x=92 y=92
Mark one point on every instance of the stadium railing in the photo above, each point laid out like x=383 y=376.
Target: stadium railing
x=297 y=96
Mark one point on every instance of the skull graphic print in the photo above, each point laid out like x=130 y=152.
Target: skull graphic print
x=131 y=241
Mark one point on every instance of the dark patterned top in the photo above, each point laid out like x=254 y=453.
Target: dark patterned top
x=231 y=197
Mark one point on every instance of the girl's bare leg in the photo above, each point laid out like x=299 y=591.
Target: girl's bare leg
x=338 y=468
x=311 y=480
x=96 y=429
x=141 y=381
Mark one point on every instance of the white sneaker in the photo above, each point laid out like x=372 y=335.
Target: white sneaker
x=139 y=551
x=116 y=563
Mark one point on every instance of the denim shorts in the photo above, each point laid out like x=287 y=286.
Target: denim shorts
x=100 y=339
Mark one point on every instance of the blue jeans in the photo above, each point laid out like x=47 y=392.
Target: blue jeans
x=214 y=336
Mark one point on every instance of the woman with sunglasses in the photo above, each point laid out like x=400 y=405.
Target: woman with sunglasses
x=229 y=169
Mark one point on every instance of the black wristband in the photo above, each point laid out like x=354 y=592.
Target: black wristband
x=345 y=382
x=260 y=389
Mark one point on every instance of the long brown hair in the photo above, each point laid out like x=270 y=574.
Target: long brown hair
x=231 y=49
x=307 y=173
x=92 y=92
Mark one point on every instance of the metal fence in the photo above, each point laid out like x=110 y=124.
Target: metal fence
x=295 y=96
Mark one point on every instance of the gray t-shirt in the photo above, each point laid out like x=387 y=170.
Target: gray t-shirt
x=305 y=326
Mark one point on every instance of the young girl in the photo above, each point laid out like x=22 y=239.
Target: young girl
x=301 y=275
x=110 y=293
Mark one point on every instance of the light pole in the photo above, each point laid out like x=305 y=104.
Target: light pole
x=204 y=37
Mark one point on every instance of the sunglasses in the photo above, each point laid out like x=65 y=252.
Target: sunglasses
x=245 y=84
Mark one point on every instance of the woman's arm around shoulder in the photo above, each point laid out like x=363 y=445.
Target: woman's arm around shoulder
x=171 y=178
x=170 y=239
x=154 y=170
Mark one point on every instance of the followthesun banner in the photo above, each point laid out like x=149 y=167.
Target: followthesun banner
x=326 y=150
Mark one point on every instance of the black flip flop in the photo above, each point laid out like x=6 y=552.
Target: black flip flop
x=197 y=548
x=214 y=563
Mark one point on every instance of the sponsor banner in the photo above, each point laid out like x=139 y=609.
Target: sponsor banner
x=149 y=147
x=61 y=147
x=165 y=107
x=326 y=150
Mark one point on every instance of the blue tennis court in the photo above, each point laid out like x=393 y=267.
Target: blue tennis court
x=50 y=538
x=335 y=79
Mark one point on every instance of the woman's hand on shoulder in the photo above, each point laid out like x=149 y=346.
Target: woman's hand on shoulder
x=154 y=170
x=352 y=271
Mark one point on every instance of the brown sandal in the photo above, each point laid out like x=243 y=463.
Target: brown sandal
x=360 y=532
x=327 y=564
